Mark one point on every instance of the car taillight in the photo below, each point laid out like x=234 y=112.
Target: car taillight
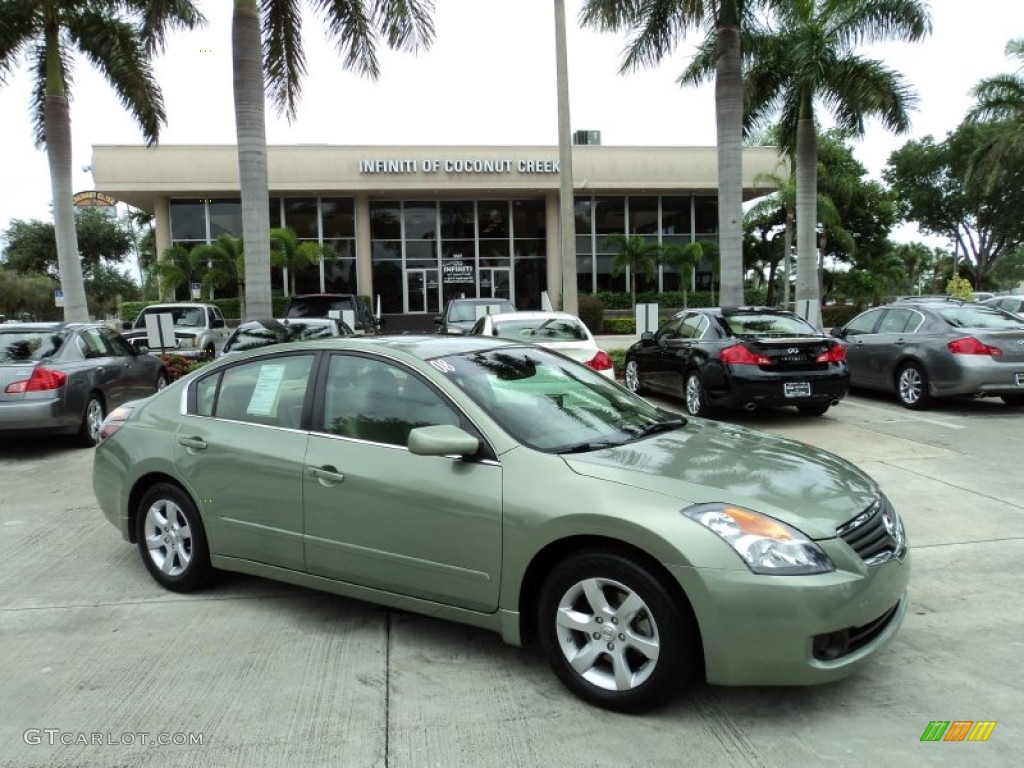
x=115 y=420
x=971 y=346
x=737 y=354
x=601 y=362
x=835 y=354
x=41 y=380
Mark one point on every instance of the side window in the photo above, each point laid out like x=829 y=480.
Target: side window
x=372 y=400
x=116 y=344
x=670 y=330
x=863 y=324
x=694 y=326
x=270 y=391
x=895 y=321
x=92 y=344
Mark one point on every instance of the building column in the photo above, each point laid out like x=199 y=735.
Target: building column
x=554 y=248
x=162 y=230
x=364 y=263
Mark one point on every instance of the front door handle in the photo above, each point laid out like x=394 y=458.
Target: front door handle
x=193 y=443
x=327 y=475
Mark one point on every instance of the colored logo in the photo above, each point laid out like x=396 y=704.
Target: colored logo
x=958 y=730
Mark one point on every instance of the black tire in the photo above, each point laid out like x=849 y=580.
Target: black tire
x=162 y=380
x=912 y=387
x=632 y=378
x=92 y=417
x=656 y=622
x=696 y=396
x=1014 y=401
x=814 y=409
x=172 y=540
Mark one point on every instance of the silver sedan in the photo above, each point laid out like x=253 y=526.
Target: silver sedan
x=925 y=350
x=62 y=378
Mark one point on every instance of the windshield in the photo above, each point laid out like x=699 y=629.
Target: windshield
x=979 y=316
x=24 y=346
x=183 y=317
x=464 y=312
x=255 y=336
x=768 y=324
x=540 y=329
x=547 y=402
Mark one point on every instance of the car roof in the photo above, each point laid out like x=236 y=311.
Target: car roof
x=177 y=304
x=49 y=326
x=480 y=301
x=422 y=347
x=532 y=315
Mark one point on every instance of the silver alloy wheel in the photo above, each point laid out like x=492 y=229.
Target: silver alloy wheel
x=168 y=537
x=607 y=634
x=632 y=376
x=910 y=385
x=694 y=395
x=94 y=419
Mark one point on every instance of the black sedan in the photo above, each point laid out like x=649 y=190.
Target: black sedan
x=62 y=378
x=745 y=357
x=924 y=350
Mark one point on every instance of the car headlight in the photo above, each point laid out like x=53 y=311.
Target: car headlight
x=765 y=544
x=184 y=343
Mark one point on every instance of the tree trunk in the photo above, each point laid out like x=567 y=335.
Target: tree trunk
x=729 y=119
x=787 y=255
x=808 y=299
x=569 y=297
x=250 y=126
x=58 y=151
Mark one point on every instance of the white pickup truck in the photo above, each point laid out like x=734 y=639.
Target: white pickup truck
x=199 y=329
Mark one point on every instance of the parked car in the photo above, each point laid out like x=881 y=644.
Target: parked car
x=199 y=329
x=926 y=350
x=254 y=334
x=559 y=331
x=1012 y=304
x=747 y=357
x=311 y=305
x=460 y=315
x=61 y=378
x=507 y=487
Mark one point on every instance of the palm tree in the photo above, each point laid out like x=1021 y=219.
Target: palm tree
x=686 y=258
x=224 y=261
x=1001 y=101
x=636 y=254
x=178 y=266
x=266 y=48
x=286 y=251
x=809 y=58
x=657 y=26
x=119 y=39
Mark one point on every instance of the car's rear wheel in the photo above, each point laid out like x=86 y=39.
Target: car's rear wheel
x=171 y=539
x=613 y=633
x=1016 y=401
x=632 y=378
x=813 y=409
x=912 y=387
x=92 y=419
x=696 y=396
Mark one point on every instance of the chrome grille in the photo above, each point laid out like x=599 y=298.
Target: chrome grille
x=876 y=534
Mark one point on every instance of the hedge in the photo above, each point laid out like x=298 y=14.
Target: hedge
x=230 y=308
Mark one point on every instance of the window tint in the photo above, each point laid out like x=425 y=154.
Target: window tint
x=372 y=400
x=540 y=330
x=670 y=330
x=693 y=327
x=979 y=317
x=896 y=321
x=768 y=324
x=116 y=344
x=92 y=344
x=16 y=346
x=270 y=391
x=864 y=323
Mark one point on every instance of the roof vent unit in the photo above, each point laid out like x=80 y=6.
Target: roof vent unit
x=592 y=138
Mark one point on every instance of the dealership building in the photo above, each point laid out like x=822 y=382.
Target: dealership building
x=417 y=226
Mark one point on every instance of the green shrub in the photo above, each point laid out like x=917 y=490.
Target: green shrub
x=615 y=325
x=618 y=357
x=178 y=366
x=592 y=313
x=838 y=314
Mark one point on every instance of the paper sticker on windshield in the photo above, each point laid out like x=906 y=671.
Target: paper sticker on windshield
x=442 y=366
x=264 y=396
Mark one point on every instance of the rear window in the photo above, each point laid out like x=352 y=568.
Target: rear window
x=465 y=312
x=540 y=330
x=978 y=316
x=768 y=324
x=24 y=346
x=320 y=306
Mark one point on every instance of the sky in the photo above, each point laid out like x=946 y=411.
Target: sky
x=488 y=79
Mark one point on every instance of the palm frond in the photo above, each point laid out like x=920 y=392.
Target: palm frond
x=351 y=30
x=21 y=24
x=284 y=60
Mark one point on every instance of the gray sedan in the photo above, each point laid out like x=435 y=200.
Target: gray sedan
x=62 y=378
x=923 y=350
x=1012 y=304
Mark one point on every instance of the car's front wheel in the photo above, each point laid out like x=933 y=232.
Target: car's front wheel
x=171 y=539
x=912 y=387
x=696 y=396
x=632 y=378
x=614 y=634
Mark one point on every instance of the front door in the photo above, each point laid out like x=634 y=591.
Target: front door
x=421 y=285
x=496 y=283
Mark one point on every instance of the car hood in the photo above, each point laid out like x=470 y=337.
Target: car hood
x=808 y=488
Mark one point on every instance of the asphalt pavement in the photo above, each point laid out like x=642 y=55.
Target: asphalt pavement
x=99 y=663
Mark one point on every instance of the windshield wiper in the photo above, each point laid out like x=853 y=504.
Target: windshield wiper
x=594 y=445
x=659 y=426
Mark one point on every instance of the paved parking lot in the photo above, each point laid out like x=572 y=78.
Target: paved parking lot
x=267 y=674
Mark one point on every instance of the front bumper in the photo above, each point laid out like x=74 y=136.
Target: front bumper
x=783 y=630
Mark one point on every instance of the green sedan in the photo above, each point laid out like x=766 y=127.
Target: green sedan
x=508 y=487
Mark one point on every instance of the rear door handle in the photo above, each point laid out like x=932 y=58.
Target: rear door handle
x=193 y=443
x=327 y=475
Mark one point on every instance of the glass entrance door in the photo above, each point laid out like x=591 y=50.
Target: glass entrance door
x=496 y=283
x=421 y=287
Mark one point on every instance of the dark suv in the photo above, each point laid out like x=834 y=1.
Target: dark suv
x=322 y=304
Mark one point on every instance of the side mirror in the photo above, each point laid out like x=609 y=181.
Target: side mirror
x=442 y=440
x=837 y=332
x=142 y=349
x=647 y=336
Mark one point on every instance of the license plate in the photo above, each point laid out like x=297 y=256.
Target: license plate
x=1020 y=379
x=797 y=388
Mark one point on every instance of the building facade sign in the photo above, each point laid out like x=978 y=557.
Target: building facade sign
x=457 y=165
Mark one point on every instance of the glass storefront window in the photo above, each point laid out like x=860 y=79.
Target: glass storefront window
x=493 y=219
x=606 y=281
x=529 y=219
x=341 y=248
x=706 y=216
x=584 y=274
x=530 y=248
x=338 y=215
x=340 y=275
x=494 y=249
x=422 y=249
x=188 y=220
x=420 y=220
x=385 y=221
x=643 y=216
x=609 y=216
x=387 y=283
x=275 y=212
x=382 y=250
x=300 y=216
x=225 y=218
x=530 y=280
x=584 y=210
x=675 y=216
x=457 y=220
